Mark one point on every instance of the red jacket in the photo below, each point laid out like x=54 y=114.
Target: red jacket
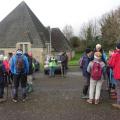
x=114 y=62
x=7 y=65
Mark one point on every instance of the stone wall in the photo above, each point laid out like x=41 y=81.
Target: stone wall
x=8 y=50
x=39 y=54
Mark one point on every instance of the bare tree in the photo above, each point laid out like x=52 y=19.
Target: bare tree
x=90 y=32
x=68 y=31
x=110 y=28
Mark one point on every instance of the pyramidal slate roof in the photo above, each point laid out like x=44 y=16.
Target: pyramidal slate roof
x=59 y=41
x=21 y=25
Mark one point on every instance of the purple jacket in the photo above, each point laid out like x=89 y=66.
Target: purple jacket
x=85 y=63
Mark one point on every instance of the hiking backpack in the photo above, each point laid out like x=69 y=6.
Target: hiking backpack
x=96 y=71
x=19 y=64
x=81 y=62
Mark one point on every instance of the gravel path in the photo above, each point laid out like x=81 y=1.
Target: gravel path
x=58 y=99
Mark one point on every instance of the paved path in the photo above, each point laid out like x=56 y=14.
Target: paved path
x=58 y=99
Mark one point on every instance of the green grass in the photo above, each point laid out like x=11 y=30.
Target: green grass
x=75 y=60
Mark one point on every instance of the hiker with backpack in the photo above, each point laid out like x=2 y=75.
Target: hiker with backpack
x=2 y=80
x=10 y=73
x=85 y=59
x=95 y=68
x=30 y=73
x=112 y=81
x=64 y=62
x=98 y=48
x=7 y=69
x=114 y=63
x=19 y=67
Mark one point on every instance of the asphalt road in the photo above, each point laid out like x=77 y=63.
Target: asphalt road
x=58 y=99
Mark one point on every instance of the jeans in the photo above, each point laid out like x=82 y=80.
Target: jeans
x=63 y=69
x=20 y=78
x=86 y=85
x=112 y=80
x=52 y=71
x=95 y=87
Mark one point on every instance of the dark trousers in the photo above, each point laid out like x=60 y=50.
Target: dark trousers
x=17 y=79
x=86 y=85
x=63 y=69
x=52 y=71
x=2 y=85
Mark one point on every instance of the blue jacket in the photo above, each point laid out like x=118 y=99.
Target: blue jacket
x=13 y=64
x=86 y=61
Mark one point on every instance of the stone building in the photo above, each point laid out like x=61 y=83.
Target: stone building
x=22 y=29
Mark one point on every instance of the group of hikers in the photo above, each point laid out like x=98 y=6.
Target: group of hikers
x=53 y=63
x=95 y=64
x=16 y=69
x=96 y=67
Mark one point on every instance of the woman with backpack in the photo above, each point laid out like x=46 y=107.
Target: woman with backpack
x=84 y=61
x=114 y=63
x=30 y=73
x=95 y=68
x=112 y=81
x=7 y=69
x=2 y=80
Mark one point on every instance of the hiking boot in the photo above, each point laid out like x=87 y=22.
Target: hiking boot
x=85 y=97
x=90 y=101
x=14 y=100
x=116 y=106
x=97 y=102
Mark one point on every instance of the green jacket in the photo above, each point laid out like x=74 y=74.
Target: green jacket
x=52 y=63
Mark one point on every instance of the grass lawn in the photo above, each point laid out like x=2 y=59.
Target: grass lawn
x=75 y=60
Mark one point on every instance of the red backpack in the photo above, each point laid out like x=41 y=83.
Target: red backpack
x=96 y=71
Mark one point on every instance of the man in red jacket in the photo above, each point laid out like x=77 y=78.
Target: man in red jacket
x=114 y=63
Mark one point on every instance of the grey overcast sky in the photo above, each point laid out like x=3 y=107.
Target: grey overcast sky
x=58 y=13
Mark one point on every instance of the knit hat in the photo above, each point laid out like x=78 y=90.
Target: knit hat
x=88 y=50
x=118 y=46
x=19 y=51
x=97 y=55
x=98 y=46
